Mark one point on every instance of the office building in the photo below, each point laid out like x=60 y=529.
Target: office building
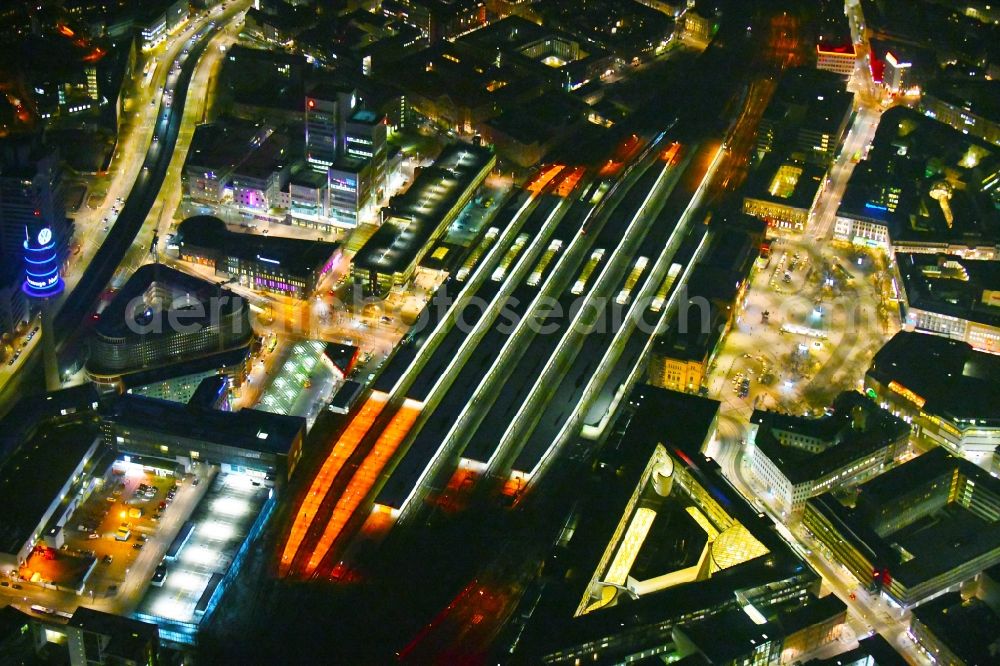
x=418 y=217
x=871 y=651
x=967 y=105
x=364 y=139
x=783 y=192
x=798 y=457
x=837 y=58
x=948 y=392
x=264 y=84
x=916 y=531
x=439 y=19
x=163 y=316
x=347 y=143
x=350 y=182
x=955 y=630
x=260 y=444
x=327 y=109
x=13 y=302
x=895 y=74
x=952 y=297
x=31 y=199
x=218 y=150
x=650 y=491
x=41 y=481
x=806 y=118
x=258 y=181
x=812 y=627
x=97 y=638
x=178 y=382
x=156 y=20
x=288 y=266
x=744 y=642
x=924 y=187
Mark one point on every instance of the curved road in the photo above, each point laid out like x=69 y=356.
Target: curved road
x=142 y=197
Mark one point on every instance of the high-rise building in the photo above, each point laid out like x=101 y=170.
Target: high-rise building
x=30 y=199
x=348 y=144
x=327 y=109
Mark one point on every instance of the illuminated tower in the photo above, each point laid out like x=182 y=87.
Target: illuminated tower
x=41 y=283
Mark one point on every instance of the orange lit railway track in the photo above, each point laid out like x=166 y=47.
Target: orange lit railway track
x=360 y=457
x=544 y=177
x=341 y=452
x=569 y=182
x=364 y=479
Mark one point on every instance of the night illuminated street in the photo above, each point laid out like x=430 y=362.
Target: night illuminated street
x=475 y=332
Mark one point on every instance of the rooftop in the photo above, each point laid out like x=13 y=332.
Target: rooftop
x=911 y=521
x=809 y=98
x=952 y=286
x=414 y=216
x=871 y=651
x=785 y=181
x=742 y=636
x=220 y=147
x=662 y=431
x=969 y=628
x=946 y=377
x=856 y=428
x=654 y=406
x=130 y=639
x=32 y=477
x=229 y=358
x=978 y=96
x=248 y=429
x=470 y=77
x=158 y=289
x=294 y=255
x=817 y=611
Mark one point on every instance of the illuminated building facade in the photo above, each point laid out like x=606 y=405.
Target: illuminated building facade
x=952 y=297
x=920 y=529
x=715 y=295
x=783 y=192
x=923 y=187
x=160 y=317
x=652 y=487
x=966 y=105
x=796 y=458
x=896 y=73
x=31 y=199
x=948 y=392
x=42 y=265
x=288 y=266
x=347 y=143
x=350 y=183
x=261 y=444
x=837 y=59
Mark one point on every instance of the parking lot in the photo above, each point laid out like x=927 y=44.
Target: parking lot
x=127 y=524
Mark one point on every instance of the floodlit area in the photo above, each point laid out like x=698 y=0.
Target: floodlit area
x=343 y=448
x=671 y=534
x=132 y=512
x=366 y=476
x=205 y=556
x=301 y=383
